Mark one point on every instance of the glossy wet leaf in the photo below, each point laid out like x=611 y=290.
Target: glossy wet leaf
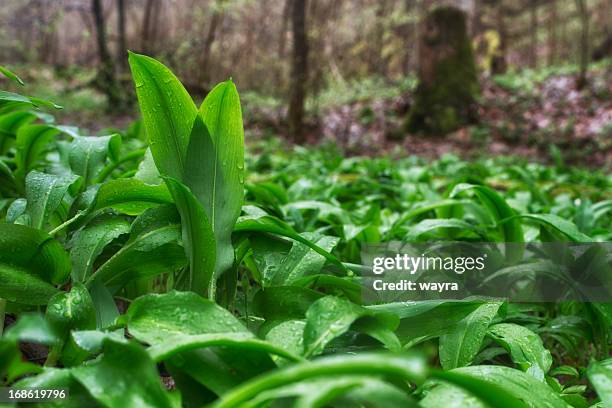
x=69 y=311
x=448 y=396
x=44 y=194
x=524 y=346
x=87 y=155
x=198 y=239
x=406 y=368
x=11 y=75
x=330 y=317
x=32 y=142
x=214 y=167
x=31 y=262
x=503 y=387
x=347 y=389
x=461 y=344
x=147 y=254
x=130 y=196
x=301 y=261
x=499 y=210
x=237 y=342
x=168 y=113
x=272 y=225
x=558 y=224
x=124 y=375
x=600 y=375
x=88 y=243
x=153 y=318
x=288 y=335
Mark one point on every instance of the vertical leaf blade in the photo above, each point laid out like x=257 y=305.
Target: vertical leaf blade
x=167 y=110
x=198 y=238
x=215 y=166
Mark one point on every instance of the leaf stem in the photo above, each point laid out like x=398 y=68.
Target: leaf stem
x=66 y=224
x=2 y=314
x=53 y=355
x=402 y=367
x=106 y=171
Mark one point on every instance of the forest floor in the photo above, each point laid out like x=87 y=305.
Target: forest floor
x=524 y=119
x=532 y=113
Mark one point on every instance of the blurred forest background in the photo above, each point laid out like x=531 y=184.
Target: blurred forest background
x=531 y=77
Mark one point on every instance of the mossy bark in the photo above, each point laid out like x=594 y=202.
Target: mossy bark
x=448 y=80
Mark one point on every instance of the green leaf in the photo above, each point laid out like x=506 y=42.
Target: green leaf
x=123 y=376
x=32 y=328
x=502 y=387
x=330 y=317
x=600 y=375
x=168 y=113
x=236 y=342
x=525 y=348
x=499 y=210
x=10 y=99
x=104 y=304
x=147 y=172
x=88 y=243
x=400 y=367
x=345 y=390
x=426 y=319
x=214 y=168
x=92 y=341
x=153 y=318
x=272 y=225
x=198 y=239
x=288 y=335
x=55 y=378
x=32 y=143
x=69 y=311
x=72 y=310
x=280 y=303
x=146 y=254
x=20 y=286
x=30 y=263
x=11 y=75
x=44 y=194
x=301 y=260
x=461 y=344
x=428 y=225
x=449 y=396
x=87 y=155
x=130 y=196
x=156 y=318
x=556 y=223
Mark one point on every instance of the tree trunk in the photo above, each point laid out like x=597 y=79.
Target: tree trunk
x=377 y=60
x=411 y=35
x=105 y=80
x=215 y=20
x=533 y=32
x=121 y=43
x=498 y=64
x=299 y=71
x=448 y=81
x=146 y=26
x=584 y=43
x=282 y=39
x=552 y=33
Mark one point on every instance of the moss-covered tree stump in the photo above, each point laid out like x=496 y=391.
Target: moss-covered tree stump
x=448 y=81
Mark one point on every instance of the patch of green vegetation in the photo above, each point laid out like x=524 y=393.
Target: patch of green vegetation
x=340 y=93
x=526 y=80
x=241 y=276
